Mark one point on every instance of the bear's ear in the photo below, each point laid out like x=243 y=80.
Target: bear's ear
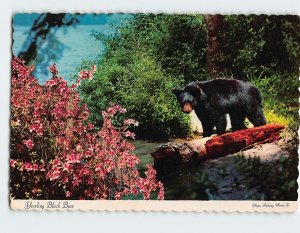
x=194 y=89
x=176 y=91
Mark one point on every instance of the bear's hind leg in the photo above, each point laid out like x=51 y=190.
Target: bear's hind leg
x=237 y=121
x=221 y=124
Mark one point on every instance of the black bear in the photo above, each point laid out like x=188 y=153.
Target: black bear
x=212 y=100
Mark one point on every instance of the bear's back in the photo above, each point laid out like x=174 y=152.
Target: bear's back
x=224 y=86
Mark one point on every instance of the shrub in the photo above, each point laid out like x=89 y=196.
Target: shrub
x=280 y=94
x=56 y=154
x=143 y=61
x=274 y=181
x=261 y=44
x=139 y=85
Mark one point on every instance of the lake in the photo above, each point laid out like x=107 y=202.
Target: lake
x=77 y=45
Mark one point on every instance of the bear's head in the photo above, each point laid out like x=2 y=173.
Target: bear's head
x=188 y=96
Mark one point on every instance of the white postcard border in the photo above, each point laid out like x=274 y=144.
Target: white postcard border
x=138 y=205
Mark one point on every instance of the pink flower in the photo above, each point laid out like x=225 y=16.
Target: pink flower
x=161 y=192
x=29 y=143
x=118 y=196
x=94 y=68
x=28 y=166
x=42 y=168
x=67 y=167
x=68 y=194
x=66 y=155
x=90 y=181
x=12 y=163
x=38 y=128
x=35 y=167
x=131 y=122
x=86 y=74
x=56 y=162
x=53 y=69
x=90 y=126
x=129 y=134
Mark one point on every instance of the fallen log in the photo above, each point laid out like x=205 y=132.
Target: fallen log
x=233 y=142
x=172 y=156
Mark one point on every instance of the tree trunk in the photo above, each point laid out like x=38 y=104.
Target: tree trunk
x=233 y=142
x=172 y=156
x=214 y=53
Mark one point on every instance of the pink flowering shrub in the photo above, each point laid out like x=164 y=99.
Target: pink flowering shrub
x=56 y=154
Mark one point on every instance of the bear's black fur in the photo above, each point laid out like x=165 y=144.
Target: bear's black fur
x=212 y=100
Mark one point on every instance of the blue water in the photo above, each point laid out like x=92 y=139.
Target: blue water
x=77 y=45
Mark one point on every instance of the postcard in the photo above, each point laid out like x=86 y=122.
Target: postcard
x=154 y=112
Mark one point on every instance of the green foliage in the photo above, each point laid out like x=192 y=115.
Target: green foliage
x=273 y=181
x=138 y=84
x=98 y=93
x=176 y=42
x=280 y=94
x=242 y=48
x=143 y=62
x=261 y=44
x=151 y=54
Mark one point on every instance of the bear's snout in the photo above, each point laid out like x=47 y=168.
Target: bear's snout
x=187 y=108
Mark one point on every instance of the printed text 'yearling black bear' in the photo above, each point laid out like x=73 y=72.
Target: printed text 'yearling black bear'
x=212 y=100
